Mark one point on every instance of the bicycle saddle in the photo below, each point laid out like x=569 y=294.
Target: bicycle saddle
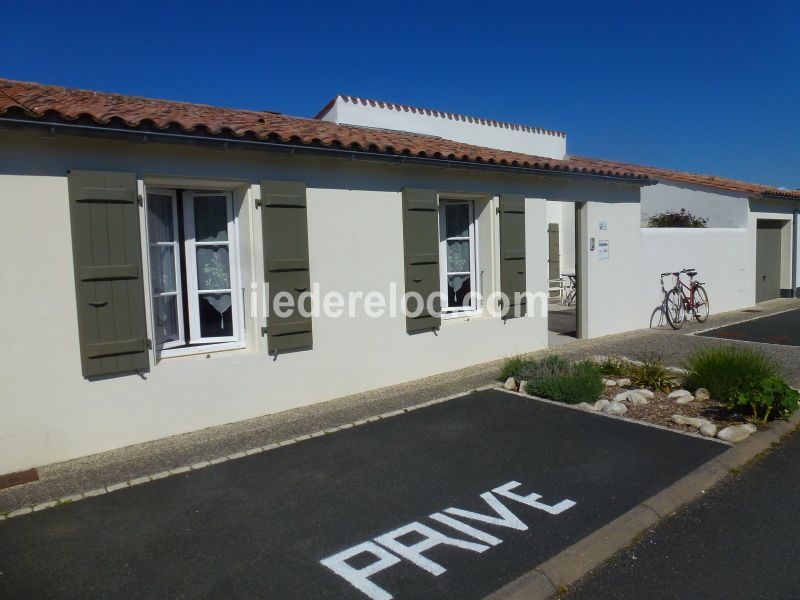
x=691 y=273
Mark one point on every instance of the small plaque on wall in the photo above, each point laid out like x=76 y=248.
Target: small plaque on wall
x=602 y=250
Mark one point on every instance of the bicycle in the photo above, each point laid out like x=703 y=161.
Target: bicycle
x=683 y=298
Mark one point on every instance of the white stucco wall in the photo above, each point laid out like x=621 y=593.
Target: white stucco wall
x=50 y=413
x=721 y=208
x=609 y=292
x=719 y=255
x=470 y=130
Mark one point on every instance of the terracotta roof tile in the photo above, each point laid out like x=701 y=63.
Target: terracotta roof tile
x=733 y=185
x=37 y=101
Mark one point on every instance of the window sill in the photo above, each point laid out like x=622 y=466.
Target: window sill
x=194 y=350
x=462 y=317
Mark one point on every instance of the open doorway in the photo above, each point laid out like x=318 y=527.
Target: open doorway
x=770 y=239
x=562 y=320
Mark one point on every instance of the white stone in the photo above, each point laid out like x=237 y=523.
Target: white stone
x=510 y=384
x=586 y=406
x=632 y=396
x=609 y=383
x=736 y=433
x=709 y=430
x=684 y=400
x=615 y=408
x=601 y=404
x=646 y=393
x=623 y=382
x=679 y=394
x=691 y=421
x=702 y=394
x=522 y=385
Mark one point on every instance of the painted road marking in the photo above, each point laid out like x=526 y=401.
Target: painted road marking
x=389 y=550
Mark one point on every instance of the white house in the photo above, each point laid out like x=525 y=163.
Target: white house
x=152 y=239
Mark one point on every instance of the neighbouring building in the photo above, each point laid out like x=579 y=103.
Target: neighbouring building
x=149 y=238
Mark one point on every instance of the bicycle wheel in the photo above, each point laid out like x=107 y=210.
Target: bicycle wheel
x=673 y=307
x=701 y=305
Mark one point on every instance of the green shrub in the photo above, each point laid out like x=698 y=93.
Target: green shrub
x=681 y=218
x=513 y=366
x=557 y=379
x=653 y=373
x=727 y=370
x=612 y=366
x=769 y=397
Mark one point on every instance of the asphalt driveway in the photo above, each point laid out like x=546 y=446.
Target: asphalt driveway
x=782 y=329
x=453 y=500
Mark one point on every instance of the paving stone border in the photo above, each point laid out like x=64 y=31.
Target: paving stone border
x=113 y=487
x=547 y=579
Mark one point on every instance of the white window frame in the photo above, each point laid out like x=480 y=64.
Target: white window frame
x=458 y=311
x=178 y=293
x=193 y=292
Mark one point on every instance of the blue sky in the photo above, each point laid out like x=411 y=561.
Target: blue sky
x=710 y=87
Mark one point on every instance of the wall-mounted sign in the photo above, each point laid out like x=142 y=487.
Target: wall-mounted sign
x=602 y=250
x=603 y=225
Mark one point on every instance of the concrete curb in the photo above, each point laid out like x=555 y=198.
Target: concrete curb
x=547 y=579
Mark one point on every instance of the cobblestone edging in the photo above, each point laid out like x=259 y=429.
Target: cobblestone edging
x=113 y=487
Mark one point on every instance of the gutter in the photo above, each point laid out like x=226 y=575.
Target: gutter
x=144 y=136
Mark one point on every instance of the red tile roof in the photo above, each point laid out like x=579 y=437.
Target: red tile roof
x=733 y=185
x=438 y=113
x=35 y=101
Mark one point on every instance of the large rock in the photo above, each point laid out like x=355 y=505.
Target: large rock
x=681 y=396
x=702 y=394
x=737 y=433
x=708 y=430
x=632 y=396
x=510 y=384
x=615 y=408
x=706 y=427
x=522 y=385
x=691 y=421
x=609 y=383
x=646 y=393
x=623 y=382
x=601 y=404
x=586 y=406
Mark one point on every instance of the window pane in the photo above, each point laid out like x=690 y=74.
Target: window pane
x=458 y=256
x=165 y=318
x=458 y=289
x=213 y=268
x=216 y=316
x=162 y=269
x=456 y=218
x=160 y=225
x=210 y=218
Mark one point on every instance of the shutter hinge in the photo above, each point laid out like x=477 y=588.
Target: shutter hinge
x=141 y=200
x=149 y=344
x=263 y=331
x=497 y=210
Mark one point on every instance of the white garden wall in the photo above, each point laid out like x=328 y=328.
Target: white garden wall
x=719 y=255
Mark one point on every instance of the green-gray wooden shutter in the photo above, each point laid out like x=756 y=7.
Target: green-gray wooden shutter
x=104 y=218
x=421 y=247
x=285 y=229
x=512 y=252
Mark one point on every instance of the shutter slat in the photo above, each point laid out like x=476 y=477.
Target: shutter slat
x=104 y=217
x=421 y=250
x=512 y=251
x=284 y=224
